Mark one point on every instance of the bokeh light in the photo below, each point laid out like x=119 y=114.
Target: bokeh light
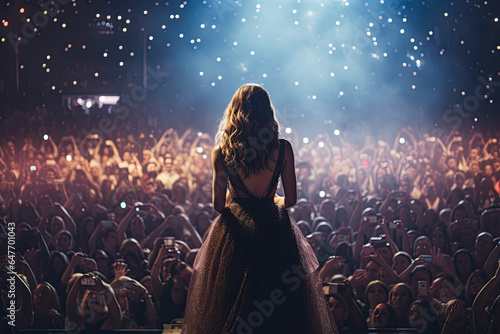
x=322 y=61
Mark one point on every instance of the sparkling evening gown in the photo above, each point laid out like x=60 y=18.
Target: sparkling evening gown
x=255 y=272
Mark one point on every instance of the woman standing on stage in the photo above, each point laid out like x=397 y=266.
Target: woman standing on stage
x=255 y=272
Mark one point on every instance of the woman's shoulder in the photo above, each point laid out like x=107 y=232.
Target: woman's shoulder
x=216 y=153
x=217 y=157
x=287 y=144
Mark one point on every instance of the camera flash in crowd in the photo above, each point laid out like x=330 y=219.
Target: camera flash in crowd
x=288 y=130
x=305 y=140
x=336 y=132
x=402 y=140
x=199 y=149
x=321 y=144
x=45 y=137
x=322 y=194
x=123 y=205
x=68 y=157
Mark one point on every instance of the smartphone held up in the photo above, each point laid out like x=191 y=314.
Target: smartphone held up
x=331 y=288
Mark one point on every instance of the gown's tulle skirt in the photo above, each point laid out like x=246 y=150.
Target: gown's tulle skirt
x=256 y=273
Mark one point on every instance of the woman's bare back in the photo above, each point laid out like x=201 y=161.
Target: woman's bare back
x=258 y=184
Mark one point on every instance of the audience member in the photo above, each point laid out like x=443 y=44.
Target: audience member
x=413 y=228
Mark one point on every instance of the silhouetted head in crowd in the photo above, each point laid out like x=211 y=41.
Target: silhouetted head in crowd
x=441 y=239
x=376 y=292
x=461 y=319
x=58 y=262
x=338 y=307
x=63 y=241
x=422 y=246
x=202 y=223
x=45 y=298
x=327 y=210
x=400 y=261
x=423 y=317
x=464 y=264
x=474 y=284
x=445 y=288
x=401 y=296
x=304 y=227
x=383 y=316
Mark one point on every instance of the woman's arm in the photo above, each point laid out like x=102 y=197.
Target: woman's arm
x=76 y=260
x=400 y=229
x=405 y=275
x=25 y=269
x=392 y=277
x=68 y=220
x=97 y=155
x=360 y=239
x=42 y=245
x=184 y=137
x=23 y=290
x=72 y=304
x=388 y=236
x=156 y=149
x=157 y=232
x=353 y=307
x=450 y=144
x=75 y=145
x=474 y=136
x=94 y=236
x=289 y=179
x=156 y=282
x=124 y=224
x=137 y=164
x=114 y=319
x=219 y=183
x=197 y=241
x=151 y=315
x=486 y=154
x=54 y=148
x=116 y=153
x=411 y=136
x=356 y=213
x=385 y=205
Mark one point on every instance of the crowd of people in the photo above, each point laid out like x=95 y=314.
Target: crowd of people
x=107 y=225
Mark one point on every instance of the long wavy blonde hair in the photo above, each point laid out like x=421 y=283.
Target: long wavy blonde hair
x=248 y=131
